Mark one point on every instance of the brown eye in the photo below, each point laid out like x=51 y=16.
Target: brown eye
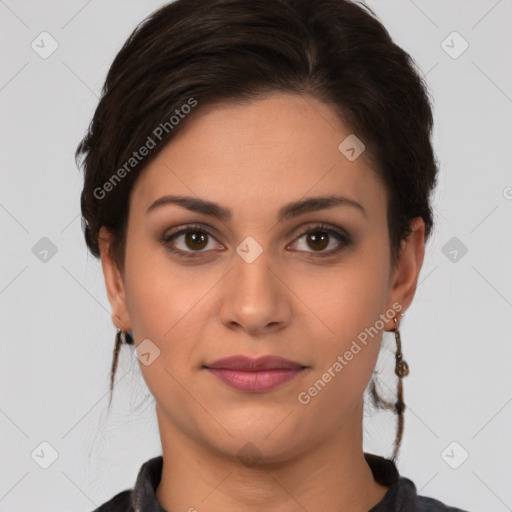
x=319 y=240
x=196 y=239
x=193 y=243
x=320 y=237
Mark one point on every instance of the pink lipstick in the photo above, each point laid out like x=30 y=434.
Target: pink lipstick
x=254 y=375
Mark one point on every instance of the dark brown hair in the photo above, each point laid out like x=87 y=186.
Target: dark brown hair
x=209 y=51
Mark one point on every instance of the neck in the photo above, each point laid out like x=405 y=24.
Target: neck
x=332 y=475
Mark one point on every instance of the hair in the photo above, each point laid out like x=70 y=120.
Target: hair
x=190 y=54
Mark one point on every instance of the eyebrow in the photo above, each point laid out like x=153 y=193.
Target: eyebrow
x=288 y=211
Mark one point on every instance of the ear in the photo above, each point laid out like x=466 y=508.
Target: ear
x=405 y=276
x=113 y=281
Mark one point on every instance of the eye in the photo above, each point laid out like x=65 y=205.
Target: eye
x=195 y=241
x=319 y=236
x=194 y=237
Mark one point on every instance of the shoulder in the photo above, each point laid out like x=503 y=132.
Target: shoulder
x=425 y=504
x=121 y=502
x=143 y=495
x=401 y=495
x=408 y=500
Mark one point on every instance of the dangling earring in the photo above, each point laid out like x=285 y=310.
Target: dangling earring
x=401 y=367
x=128 y=339
x=401 y=370
x=123 y=337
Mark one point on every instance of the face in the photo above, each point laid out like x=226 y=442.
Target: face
x=305 y=286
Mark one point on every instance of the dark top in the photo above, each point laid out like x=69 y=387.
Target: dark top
x=400 y=497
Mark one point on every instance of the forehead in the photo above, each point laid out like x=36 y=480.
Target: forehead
x=267 y=151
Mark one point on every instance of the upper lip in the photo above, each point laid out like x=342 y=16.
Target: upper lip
x=248 y=364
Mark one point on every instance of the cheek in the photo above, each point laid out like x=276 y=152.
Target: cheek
x=166 y=305
x=157 y=306
x=160 y=295
x=348 y=352
x=349 y=298
x=348 y=303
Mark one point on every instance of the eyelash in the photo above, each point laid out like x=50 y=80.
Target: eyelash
x=341 y=236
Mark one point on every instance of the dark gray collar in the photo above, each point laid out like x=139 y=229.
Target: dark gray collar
x=401 y=495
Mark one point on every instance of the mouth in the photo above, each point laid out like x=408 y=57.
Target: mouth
x=254 y=375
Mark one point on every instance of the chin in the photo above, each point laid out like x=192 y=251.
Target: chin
x=258 y=450
x=254 y=440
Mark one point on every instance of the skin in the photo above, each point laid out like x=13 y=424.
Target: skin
x=277 y=149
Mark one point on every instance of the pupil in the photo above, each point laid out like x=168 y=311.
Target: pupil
x=318 y=236
x=196 y=238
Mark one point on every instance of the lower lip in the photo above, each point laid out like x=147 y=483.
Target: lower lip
x=255 y=382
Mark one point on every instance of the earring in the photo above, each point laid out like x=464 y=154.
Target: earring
x=128 y=338
x=401 y=370
x=401 y=367
x=124 y=337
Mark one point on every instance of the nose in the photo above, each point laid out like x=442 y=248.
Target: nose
x=255 y=298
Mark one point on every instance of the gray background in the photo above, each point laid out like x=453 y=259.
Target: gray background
x=56 y=330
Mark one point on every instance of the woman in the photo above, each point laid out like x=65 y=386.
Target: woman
x=258 y=177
